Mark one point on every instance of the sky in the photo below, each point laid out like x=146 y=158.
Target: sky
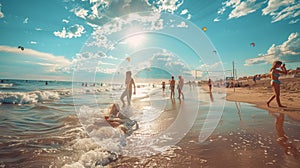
x=101 y=39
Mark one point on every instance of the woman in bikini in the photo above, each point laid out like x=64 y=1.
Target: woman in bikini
x=129 y=83
x=275 y=82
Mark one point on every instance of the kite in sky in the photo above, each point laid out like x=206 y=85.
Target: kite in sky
x=22 y=48
x=128 y=59
x=252 y=44
x=204 y=29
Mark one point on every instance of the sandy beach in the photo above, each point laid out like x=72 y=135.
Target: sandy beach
x=168 y=135
x=248 y=137
x=259 y=93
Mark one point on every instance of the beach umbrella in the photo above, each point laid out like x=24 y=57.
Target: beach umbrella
x=204 y=28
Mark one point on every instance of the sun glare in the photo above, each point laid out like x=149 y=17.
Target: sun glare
x=136 y=40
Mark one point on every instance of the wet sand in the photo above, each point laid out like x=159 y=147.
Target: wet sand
x=246 y=136
x=260 y=92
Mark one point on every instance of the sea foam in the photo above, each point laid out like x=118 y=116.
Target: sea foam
x=28 y=97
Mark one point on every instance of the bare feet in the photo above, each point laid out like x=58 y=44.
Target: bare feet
x=268 y=104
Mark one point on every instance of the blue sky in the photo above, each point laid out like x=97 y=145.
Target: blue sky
x=86 y=39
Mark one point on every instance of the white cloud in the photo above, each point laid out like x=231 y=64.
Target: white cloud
x=103 y=11
x=94 y=62
x=216 y=20
x=282 y=10
x=25 y=20
x=183 y=12
x=278 y=9
x=1 y=13
x=186 y=12
x=109 y=57
x=294 y=21
x=169 y=61
x=106 y=70
x=287 y=51
x=233 y=3
x=48 y=59
x=221 y=10
x=48 y=67
x=146 y=23
x=244 y=8
x=189 y=16
x=80 y=12
x=65 y=21
x=167 y=5
x=72 y=32
x=210 y=67
x=182 y=25
x=37 y=54
x=274 y=5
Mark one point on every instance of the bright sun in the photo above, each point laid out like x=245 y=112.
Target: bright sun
x=135 y=40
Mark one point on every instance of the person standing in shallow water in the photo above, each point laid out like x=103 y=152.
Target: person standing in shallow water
x=163 y=86
x=180 y=86
x=129 y=82
x=275 y=82
x=172 y=87
x=209 y=85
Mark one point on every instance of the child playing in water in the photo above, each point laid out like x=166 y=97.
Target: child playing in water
x=118 y=120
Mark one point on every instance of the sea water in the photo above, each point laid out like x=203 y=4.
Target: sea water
x=56 y=123
x=62 y=124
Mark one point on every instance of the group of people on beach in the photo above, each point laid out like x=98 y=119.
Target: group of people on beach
x=130 y=84
x=277 y=68
x=116 y=119
x=179 y=87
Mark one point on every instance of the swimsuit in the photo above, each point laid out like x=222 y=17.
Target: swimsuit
x=275 y=74
x=277 y=81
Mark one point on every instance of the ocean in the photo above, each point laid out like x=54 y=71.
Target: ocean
x=62 y=124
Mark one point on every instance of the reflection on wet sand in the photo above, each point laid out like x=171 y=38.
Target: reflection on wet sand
x=238 y=107
x=283 y=140
x=211 y=96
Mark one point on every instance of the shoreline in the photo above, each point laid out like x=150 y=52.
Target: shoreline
x=250 y=140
